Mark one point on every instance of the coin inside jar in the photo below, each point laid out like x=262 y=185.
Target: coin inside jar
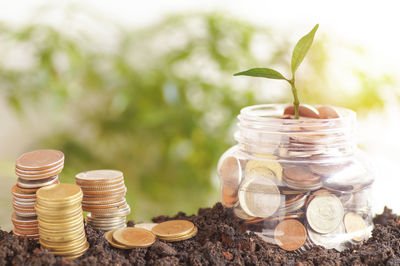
x=324 y=213
x=259 y=196
x=230 y=171
x=304 y=110
x=355 y=225
x=290 y=235
x=265 y=164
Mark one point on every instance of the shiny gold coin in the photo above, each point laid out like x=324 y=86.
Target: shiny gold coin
x=134 y=237
x=60 y=204
x=192 y=234
x=109 y=237
x=61 y=224
x=60 y=231
x=80 y=249
x=173 y=228
x=355 y=225
x=59 y=193
x=59 y=242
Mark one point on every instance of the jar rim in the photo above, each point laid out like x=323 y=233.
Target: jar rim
x=273 y=112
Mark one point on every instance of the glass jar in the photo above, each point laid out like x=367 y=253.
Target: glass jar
x=298 y=182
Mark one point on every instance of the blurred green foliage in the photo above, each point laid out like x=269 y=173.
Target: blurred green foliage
x=159 y=104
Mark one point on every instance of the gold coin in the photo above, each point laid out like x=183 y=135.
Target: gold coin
x=64 y=230
x=59 y=193
x=61 y=224
x=62 y=241
x=181 y=238
x=134 y=237
x=355 y=225
x=173 y=228
x=264 y=166
x=109 y=237
x=81 y=249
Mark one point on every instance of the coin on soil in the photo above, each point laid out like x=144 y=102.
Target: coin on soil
x=173 y=228
x=259 y=196
x=355 y=225
x=109 y=237
x=191 y=234
x=325 y=213
x=134 y=237
x=290 y=235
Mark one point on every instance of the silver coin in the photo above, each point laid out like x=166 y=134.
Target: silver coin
x=121 y=212
x=324 y=213
x=36 y=183
x=147 y=226
x=259 y=196
x=333 y=240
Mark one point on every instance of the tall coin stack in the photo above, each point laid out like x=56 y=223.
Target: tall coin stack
x=34 y=169
x=104 y=197
x=60 y=220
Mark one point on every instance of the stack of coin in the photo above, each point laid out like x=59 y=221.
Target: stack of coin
x=175 y=230
x=34 y=169
x=104 y=197
x=60 y=217
x=130 y=237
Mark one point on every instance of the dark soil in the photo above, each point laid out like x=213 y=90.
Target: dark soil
x=220 y=241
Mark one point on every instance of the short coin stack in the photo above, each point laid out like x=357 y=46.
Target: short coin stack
x=34 y=169
x=104 y=197
x=60 y=220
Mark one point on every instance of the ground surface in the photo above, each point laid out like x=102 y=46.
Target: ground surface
x=218 y=242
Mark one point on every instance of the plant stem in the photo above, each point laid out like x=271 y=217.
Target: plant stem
x=296 y=102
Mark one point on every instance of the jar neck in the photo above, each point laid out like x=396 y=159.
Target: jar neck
x=262 y=131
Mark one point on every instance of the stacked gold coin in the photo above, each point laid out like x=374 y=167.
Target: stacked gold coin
x=34 y=169
x=60 y=218
x=104 y=197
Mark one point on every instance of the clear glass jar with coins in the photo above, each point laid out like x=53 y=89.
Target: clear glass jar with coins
x=299 y=182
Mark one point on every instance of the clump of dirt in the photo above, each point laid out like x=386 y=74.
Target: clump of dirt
x=221 y=240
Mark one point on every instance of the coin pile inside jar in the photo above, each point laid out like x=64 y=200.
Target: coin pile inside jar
x=34 y=169
x=297 y=197
x=104 y=197
x=60 y=218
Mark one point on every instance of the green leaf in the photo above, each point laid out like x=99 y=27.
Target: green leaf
x=261 y=72
x=301 y=49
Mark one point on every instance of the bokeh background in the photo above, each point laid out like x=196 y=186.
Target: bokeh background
x=147 y=87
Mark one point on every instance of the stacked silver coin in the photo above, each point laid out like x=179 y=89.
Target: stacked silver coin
x=104 y=197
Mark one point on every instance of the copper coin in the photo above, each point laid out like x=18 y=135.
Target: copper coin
x=328 y=112
x=355 y=225
x=119 y=204
x=134 y=237
x=39 y=160
x=39 y=172
x=229 y=195
x=97 y=187
x=40 y=175
x=118 y=190
x=305 y=110
x=300 y=174
x=230 y=171
x=111 y=182
x=24 y=192
x=173 y=228
x=290 y=234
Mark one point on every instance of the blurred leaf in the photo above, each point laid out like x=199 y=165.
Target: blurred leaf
x=261 y=72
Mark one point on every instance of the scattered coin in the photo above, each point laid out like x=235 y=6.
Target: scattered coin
x=355 y=225
x=191 y=234
x=173 y=228
x=134 y=237
x=109 y=237
x=259 y=196
x=324 y=213
x=290 y=235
